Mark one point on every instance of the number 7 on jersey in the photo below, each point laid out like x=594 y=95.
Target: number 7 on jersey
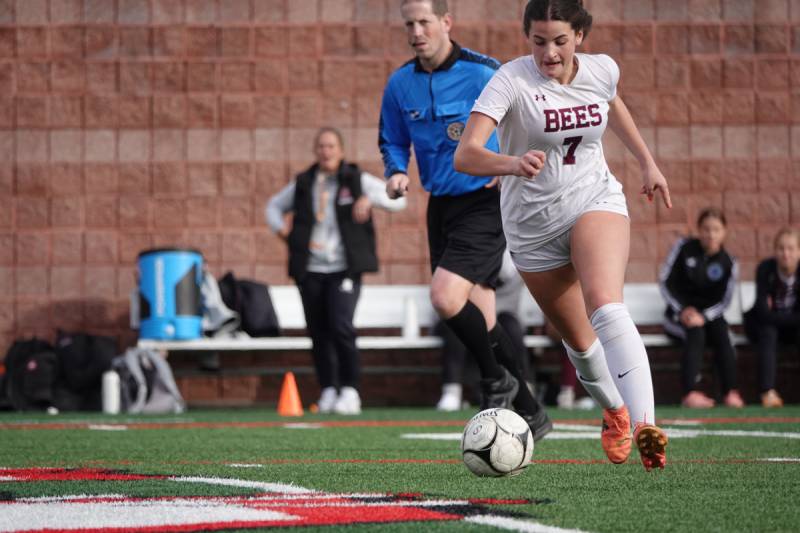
x=573 y=142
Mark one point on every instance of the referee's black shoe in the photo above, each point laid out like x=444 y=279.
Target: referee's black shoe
x=499 y=393
x=539 y=423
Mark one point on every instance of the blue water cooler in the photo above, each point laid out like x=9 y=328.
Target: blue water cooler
x=170 y=304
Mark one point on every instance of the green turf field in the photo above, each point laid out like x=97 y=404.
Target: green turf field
x=240 y=469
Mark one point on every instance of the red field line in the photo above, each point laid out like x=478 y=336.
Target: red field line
x=361 y=423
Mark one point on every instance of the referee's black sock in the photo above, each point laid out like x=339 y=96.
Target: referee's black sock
x=507 y=356
x=470 y=327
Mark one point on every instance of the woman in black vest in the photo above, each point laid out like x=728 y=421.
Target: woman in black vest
x=775 y=316
x=331 y=243
x=698 y=281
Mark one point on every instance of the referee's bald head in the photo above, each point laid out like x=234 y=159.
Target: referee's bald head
x=439 y=7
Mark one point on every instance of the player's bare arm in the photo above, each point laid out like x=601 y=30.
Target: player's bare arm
x=621 y=122
x=397 y=185
x=472 y=156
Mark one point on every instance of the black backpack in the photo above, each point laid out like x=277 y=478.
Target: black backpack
x=31 y=374
x=82 y=360
x=252 y=301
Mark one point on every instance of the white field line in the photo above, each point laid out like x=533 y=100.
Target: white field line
x=514 y=524
x=107 y=427
x=282 y=488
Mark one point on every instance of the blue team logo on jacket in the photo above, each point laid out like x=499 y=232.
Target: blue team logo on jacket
x=714 y=271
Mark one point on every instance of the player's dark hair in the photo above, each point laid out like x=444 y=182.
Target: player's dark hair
x=570 y=11
x=329 y=129
x=711 y=212
x=439 y=7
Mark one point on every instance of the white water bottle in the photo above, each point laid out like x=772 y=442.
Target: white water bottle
x=111 y=392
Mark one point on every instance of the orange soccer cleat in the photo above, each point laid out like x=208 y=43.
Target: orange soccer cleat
x=652 y=443
x=697 y=400
x=616 y=434
x=771 y=399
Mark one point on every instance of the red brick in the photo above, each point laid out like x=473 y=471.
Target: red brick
x=302 y=11
x=33 y=77
x=774 y=174
x=135 y=78
x=337 y=41
x=237 y=77
x=673 y=109
x=739 y=39
x=6 y=292
x=31 y=281
x=202 y=42
x=672 y=38
x=100 y=146
x=772 y=11
x=270 y=111
x=772 y=108
x=672 y=142
x=741 y=207
x=369 y=40
x=738 y=73
x=169 y=111
x=401 y=273
x=130 y=244
x=7 y=78
x=66 y=111
x=706 y=107
x=739 y=107
x=32 y=42
x=201 y=76
x=169 y=41
x=672 y=73
x=101 y=211
x=704 y=39
x=338 y=111
x=473 y=37
x=133 y=11
x=169 y=179
x=305 y=111
x=31 y=111
x=206 y=242
x=101 y=178
x=202 y=212
x=101 y=77
x=271 y=76
x=773 y=74
x=32 y=249
x=370 y=76
x=168 y=213
x=31 y=180
x=201 y=111
x=237 y=246
x=8 y=42
x=238 y=212
x=68 y=76
x=203 y=179
x=7 y=248
x=706 y=74
x=134 y=212
x=741 y=10
x=608 y=39
x=101 y=247
x=99 y=282
x=303 y=75
x=134 y=178
x=66 y=282
x=671 y=9
x=707 y=175
x=101 y=42
x=503 y=41
x=271 y=41
x=773 y=141
x=741 y=241
x=169 y=145
x=134 y=145
x=67 y=248
x=237 y=179
x=338 y=11
x=270 y=177
x=65 y=11
x=235 y=42
x=6 y=181
x=66 y=42
x=236 y=145
x=32 y=212
x=771 y=38
x=66 y=179
x=31 y=146
x=706 y=10
x=66 y=145
x=370 y=10
x=201 y=11
x=169 y=77
x=7 y=111
x=168 y=12
x=738 y=141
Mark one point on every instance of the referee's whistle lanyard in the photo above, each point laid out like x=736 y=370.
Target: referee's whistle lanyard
x=433 y=100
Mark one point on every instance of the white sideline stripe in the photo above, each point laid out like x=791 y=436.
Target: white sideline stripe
x=303 y=425
x=107 y=427
x=780 y=460
x=514 y=524
x=243 y=465
x=576 y=427
x=266 y=487
x=555 y=435
x=672 y=433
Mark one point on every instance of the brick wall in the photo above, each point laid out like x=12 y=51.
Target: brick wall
x=127 y=124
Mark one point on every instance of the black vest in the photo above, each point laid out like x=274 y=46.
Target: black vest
x=358 y=239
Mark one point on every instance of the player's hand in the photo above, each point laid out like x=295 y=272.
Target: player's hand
x=494 y=183
x=653 y=180
x=692 y=318
x=397 y=185
x=283 y=233
x=529 y=164
x=361 y=210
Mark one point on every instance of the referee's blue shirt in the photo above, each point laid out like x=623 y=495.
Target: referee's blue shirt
x=430 y=110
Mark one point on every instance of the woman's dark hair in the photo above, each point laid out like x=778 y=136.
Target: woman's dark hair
x=571 y=11
x=711 y=212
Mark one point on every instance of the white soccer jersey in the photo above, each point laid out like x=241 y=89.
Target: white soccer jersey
x=565 y=121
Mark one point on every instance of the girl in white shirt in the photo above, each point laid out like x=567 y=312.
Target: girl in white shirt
x=564 y=213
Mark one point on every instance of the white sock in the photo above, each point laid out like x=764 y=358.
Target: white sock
x=627 y=359
x=594 y=375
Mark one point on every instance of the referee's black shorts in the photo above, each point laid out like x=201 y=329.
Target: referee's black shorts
x=465 y=235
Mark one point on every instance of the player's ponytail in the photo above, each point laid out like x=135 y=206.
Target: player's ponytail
x=571 y=11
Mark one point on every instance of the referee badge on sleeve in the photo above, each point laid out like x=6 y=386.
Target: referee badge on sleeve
x=454 y=130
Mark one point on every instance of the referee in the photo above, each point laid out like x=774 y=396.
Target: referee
x=426 y=104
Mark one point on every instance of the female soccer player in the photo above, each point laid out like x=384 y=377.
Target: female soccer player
x=564 y=213
x=698 y=280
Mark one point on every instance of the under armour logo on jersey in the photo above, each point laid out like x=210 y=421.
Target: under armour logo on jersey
x=543 y=97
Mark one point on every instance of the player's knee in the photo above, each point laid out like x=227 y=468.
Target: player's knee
x=597 y=298
x=445 y=302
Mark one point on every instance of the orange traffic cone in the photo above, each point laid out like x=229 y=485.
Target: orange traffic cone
x=289 y=401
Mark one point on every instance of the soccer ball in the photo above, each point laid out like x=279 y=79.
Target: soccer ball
x=497 y=442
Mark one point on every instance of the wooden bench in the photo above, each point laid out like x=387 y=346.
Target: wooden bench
x=407 y=310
